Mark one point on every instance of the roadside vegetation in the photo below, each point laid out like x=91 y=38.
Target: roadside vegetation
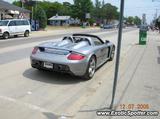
x=84 y=10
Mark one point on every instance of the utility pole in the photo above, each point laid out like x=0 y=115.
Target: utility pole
x=22 y=3
x=118 y=52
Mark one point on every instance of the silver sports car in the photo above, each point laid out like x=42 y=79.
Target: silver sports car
x=79 y=54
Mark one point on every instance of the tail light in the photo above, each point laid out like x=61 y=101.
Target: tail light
x=34 y=51
x=0 y=30
x=75 y=56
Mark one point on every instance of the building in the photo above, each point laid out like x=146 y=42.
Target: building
x=9 y=11
x=59 y=20
x=62 y=20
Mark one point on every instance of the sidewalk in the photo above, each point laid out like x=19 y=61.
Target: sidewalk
x=143 y=83
x=138 y=83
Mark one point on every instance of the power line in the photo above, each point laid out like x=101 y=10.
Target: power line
x=155 y=0
x=142 y=8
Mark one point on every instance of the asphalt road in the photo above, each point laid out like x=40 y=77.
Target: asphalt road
x=26 y=93
x=21 y=40
x=28 y=43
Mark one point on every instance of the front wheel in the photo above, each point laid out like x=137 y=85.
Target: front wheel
x=91 y=68
x=26 y=34
x=112 y=53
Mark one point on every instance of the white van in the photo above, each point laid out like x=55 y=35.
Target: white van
x=14 y=27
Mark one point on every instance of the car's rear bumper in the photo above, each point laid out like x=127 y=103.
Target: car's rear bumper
x=77 y=68
x=56 y=67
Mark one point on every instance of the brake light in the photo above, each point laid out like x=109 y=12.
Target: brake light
x=34 y=51
x=74 y=56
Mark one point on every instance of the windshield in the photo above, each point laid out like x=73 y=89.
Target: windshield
x=3 y=23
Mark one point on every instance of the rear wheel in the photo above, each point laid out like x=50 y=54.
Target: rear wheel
x=26 y=34
x=112 y=53
x=91 y=68
x=5 y=35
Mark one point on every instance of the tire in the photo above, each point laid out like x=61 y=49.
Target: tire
x=5 y=35
x=91 y=68
x=26 y=33
x=112 y=53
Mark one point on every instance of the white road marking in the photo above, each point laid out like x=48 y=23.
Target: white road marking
x=29 y=92
x=14 y=48
x=63 y=117
x=30 y=106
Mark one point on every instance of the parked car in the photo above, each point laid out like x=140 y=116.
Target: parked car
x=138 y=26
x=108 y=26
x=124 y=25
x=79 y=54
x=14 y=27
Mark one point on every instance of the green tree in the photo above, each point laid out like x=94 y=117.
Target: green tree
x=109 y=12
x=51 y=8
x=97 y=11
x=137 y=20
x=40 y=15
x=67 y=8
x=17 y=3
x=130 y=20
x=81 y=7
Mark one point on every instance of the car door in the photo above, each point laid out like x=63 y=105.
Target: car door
x=99 y=55
x=20 y=26
x=12 y=28
x=105 y=51
x=101 y=50
x=26 y=25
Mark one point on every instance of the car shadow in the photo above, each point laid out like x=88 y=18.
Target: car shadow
x=158 y=47
x=158 y=58
x=51 y=77
x=12 y=37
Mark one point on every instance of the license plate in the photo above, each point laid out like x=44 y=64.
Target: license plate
x=48 y=65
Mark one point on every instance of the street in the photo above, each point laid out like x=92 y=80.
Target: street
x=26 y=93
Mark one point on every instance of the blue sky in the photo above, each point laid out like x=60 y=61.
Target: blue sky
x=132 y=7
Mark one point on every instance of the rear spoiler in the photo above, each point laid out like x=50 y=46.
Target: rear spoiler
x=42 y=49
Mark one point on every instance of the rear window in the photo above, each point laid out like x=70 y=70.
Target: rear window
x=26 y=22
x=22 y=22
x=19 y=23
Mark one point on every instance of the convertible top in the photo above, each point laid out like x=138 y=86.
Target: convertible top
x=88 y=35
